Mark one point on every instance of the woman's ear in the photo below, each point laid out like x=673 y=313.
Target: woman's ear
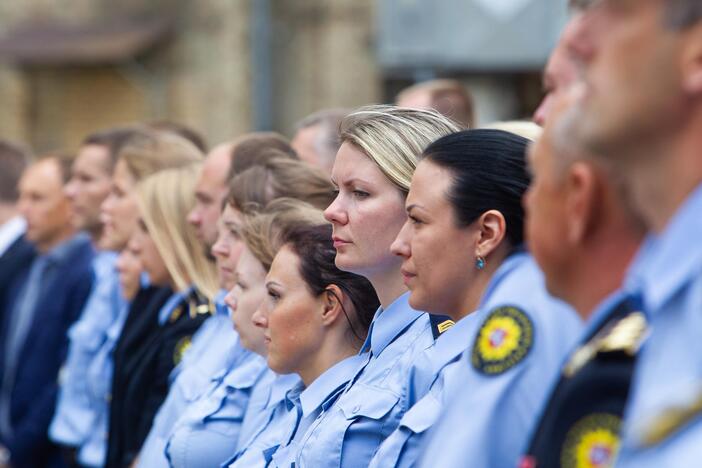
x=332 y=307
x=492 y=229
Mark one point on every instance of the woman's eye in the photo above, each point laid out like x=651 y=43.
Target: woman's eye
x=273 y=295
x=414 y=220
x=360 y=194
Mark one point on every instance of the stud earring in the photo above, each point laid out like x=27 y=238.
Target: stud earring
x=479 y=262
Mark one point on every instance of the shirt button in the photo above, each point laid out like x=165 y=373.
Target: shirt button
x=356 y=409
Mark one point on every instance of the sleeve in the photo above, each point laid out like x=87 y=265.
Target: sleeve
x=32 y=431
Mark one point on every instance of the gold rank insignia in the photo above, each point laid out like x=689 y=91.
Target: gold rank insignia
x=671 y=421
x=445 y=325
x=175 y=315
x=182 y=345
x=626 y=335
x=592 y=442
x=503 y=341
x=199 y=305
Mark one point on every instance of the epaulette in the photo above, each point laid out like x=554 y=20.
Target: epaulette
x=625 y=335
x=198 y=304
x=439 y=324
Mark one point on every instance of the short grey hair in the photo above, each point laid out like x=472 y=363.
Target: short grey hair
x=328 y=140
x=681 y=14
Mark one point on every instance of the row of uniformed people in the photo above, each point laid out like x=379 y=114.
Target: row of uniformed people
x=367 y=399
x=373 y=407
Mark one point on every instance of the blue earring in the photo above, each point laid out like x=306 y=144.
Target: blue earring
x=479 y=262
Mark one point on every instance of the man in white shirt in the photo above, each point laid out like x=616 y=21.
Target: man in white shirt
x=13 y=161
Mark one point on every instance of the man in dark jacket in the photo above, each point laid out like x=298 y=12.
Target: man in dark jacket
x=41 y=302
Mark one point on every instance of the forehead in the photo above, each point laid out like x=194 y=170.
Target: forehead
x=352 y=163
x=44 y=177
x=430 y=184
x=230 y=215
x=285 y=265
x=92 y=155
x=248 y=264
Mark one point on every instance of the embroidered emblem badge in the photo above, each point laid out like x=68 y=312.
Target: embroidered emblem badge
x=503 y=341
x=181 y=347
x=592 y=442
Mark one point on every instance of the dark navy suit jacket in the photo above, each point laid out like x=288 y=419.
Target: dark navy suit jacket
x=59 y=304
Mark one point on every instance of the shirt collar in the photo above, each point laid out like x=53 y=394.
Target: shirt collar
x=508 y=265
x=666 y=262
x=11 y=231
x=220 y=306
x=172 y=302
x=456 y=339
x=279 y=387
x=389 y=323
x=332 y=380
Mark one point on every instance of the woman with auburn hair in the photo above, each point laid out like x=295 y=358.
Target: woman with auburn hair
x=171 y=256
x=314 y=321
x=380 y=148
x=208 y=431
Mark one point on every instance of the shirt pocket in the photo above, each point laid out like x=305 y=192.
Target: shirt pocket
x=367 y=402
x=225 y=410
x=368 y=414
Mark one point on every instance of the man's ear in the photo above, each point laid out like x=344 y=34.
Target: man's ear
x=691 y=60
x=492 y=229
x=332 y=307
x=581 y=202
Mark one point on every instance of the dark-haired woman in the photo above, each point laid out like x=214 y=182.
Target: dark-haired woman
x=315 y=319
x=462 y=257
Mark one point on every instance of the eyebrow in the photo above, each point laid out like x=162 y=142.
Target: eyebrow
x=413 y=206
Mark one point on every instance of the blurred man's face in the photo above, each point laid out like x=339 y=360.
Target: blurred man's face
x=631 y=86
x=91 y=181
x=559 y=75
x=305 y=145
x=210 y=191
x=44 y=205
x=545 y=205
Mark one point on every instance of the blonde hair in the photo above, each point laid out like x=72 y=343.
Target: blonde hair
x=149 y=151
x=164 y=200
x=395 y=137
x=278 y=176
x=523 y=128
x=264 y=232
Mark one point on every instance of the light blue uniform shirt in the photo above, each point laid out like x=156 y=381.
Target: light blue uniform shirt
x=208 y=432
x=493 y=399
x=76 y=410
x=304 y=406
x=350 y=431
x=266 y=405
x=667 y=274
x=215 y=348
x=402 y=447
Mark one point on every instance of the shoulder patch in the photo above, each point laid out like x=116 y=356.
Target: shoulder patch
x=592 y=442
x=503 y=341
x=182 y=345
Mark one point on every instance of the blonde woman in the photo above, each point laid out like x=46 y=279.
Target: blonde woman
x=381 y=146
x=170 y=254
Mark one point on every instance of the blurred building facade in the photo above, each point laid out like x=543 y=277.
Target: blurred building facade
x=68 y=67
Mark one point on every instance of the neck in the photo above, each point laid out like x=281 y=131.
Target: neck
x=7 y=212
x=332 y=351
x=476 y=290
x=662 y=181
x=601 y=264
x=388 y=286
x=48 y=245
